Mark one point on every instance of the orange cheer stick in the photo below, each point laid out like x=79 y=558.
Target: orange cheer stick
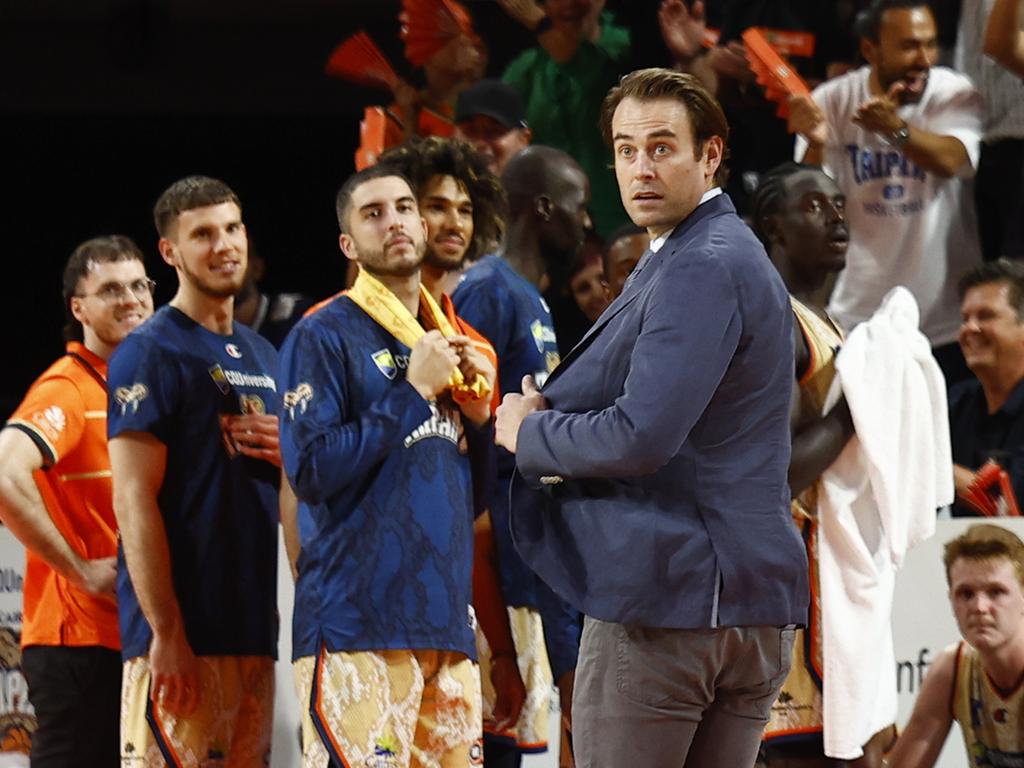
x=773 y=72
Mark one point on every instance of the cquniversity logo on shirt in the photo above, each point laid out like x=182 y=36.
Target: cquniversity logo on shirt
x=385 y=362
x=130 y=397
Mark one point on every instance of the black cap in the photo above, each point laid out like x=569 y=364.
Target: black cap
x=494 y=99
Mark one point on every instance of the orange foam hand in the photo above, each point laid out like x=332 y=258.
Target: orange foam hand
x=359 y=60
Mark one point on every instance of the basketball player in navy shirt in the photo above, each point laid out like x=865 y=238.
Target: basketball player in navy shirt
x=194 y=452
x=375 y=432
x=500 y=296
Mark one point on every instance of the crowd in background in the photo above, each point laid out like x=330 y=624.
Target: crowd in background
x=901 y=166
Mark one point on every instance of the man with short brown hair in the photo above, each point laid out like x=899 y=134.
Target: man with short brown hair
x=651 y=484
x=977 y=681
x=192 y=420
x=986 y=413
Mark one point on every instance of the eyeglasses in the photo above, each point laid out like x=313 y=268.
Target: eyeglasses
x=142 y=289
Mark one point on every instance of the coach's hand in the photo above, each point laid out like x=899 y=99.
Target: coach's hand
x=174 y=672
x=513 y=409
x=430 y=364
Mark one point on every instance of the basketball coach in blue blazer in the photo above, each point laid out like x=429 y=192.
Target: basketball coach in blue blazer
x=651 y=488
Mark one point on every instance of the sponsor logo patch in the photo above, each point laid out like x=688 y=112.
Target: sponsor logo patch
x=300 y=397
x=537 y=331
x=233 y=350
x=252 y=404
x=219 y=378
x=444 y=423
x=385 y=750
x=542 y=335
x=51 y=420
x=130 y=397
x=385 y=362
x=225 y=378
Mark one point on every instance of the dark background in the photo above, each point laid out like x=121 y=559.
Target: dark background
x=103 y=103
x=106 y=102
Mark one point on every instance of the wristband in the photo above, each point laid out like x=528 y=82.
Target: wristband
x=900 y=136
x=543 y=25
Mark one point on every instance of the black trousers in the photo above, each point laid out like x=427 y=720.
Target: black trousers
x=76 y=692
x=498 y=754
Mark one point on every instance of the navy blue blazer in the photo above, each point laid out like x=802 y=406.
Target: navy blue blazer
x=654 y=490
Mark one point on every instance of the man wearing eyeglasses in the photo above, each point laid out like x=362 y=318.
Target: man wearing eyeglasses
x=55 y=496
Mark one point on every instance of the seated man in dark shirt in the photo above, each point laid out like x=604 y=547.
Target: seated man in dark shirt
x=986 y=416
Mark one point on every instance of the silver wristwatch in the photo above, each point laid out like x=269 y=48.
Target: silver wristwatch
x=900 y=136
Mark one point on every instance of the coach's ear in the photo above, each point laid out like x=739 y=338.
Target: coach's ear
x=714 y=153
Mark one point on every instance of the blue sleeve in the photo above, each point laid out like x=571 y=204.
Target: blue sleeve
x=690 y=331
x=325 y=445
x=483 y=464
x=490 y=312
x=143 y=385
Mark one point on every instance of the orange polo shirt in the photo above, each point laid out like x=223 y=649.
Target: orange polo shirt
x=65 y=414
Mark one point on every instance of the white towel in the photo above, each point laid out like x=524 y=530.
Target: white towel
x=876 y=501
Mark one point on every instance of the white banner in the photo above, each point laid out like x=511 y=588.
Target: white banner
x=923 y=625
x=923 y=622
x=17 y=718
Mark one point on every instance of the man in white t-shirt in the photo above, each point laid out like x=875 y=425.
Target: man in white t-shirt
x=901 y=139
x=998 y=186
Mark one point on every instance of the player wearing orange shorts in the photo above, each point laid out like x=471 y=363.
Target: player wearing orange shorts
x=194 y=450
x=383 y=399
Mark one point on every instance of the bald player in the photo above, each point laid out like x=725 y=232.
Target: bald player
x=500 y=296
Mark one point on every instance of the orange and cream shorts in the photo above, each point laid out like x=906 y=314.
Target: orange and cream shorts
x=389 y=709
x=230 y=727
x=798 y=711
x=530 y=733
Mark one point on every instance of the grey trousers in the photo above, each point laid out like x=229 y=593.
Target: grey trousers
x=675 y=698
